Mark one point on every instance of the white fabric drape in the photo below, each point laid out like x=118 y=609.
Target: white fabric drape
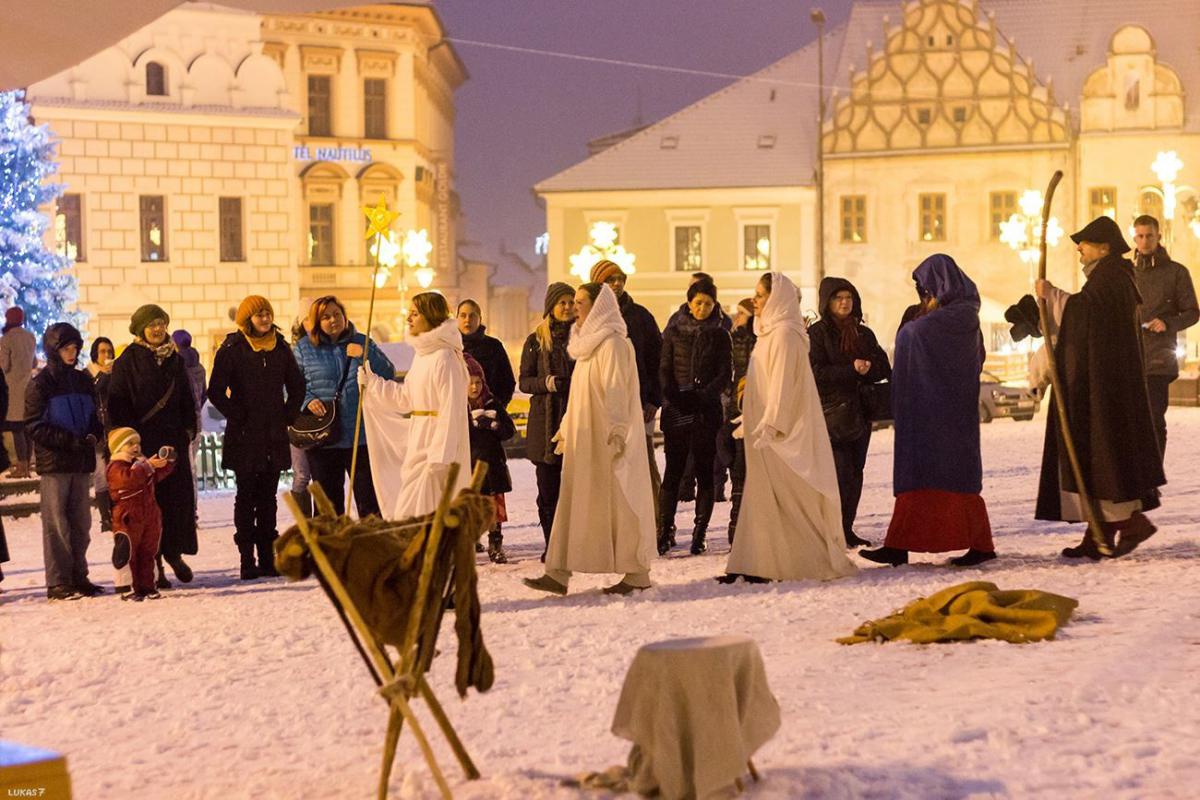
x=604 y=522
x=791 y=521
x=417 y=429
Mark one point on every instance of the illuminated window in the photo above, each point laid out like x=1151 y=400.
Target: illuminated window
x=1152 y=204
x=230 y=225
x=854 y=218
x=1102 y=202
x=68 y=228
x=319 y=106
x=688 y=255
x=320 y=234
x=154 y=227
x=933 y=217
x=156 y=79
x=375 y=108
x=756 y=242
x=1003 y=205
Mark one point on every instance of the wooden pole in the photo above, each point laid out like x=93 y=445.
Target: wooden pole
x=1089 y=509
x=366 y=351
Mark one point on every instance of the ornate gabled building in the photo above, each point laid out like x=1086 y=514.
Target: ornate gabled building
x=941 y=114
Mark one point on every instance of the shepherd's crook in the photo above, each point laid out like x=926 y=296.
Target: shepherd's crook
x=1085 y=499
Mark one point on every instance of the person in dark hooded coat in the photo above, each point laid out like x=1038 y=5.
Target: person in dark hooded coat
x=151 y=392
x=938 y=470
x=845 y=357
x=488 y=351
x=1099 y=355
x=258 y=387
x=61 y=421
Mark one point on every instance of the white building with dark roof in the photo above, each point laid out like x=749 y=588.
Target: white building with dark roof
x=940 y=115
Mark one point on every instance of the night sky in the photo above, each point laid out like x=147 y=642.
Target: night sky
x=523 y=117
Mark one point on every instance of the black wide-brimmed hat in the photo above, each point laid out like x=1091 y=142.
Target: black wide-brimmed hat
x=1103 y=230
x=1024 y=319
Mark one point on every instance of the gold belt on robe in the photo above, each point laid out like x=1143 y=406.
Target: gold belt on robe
x=424 y=413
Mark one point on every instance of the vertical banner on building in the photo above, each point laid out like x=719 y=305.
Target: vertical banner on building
x=444 y=263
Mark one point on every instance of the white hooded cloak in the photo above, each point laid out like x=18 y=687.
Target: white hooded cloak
x=417 y=428
x=790 y=526
x=604 y=522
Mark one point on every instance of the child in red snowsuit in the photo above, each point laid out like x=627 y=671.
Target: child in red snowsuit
x=137 y=519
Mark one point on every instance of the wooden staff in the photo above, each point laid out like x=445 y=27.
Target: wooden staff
x=358 y=414
x=1095 y=529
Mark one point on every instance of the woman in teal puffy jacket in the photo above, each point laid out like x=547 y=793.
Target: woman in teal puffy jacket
x=323 y=354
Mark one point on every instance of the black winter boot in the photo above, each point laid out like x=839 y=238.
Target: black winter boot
x=666 y=539
x=886 y=555
x=266 y=555
x=699 y=539
x=182 y=571
x=249 y=570
x=162 y=582
x=495 y=549
x=305 y=501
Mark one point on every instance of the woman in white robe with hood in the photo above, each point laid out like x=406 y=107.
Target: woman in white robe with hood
x=790 y=526
x=419 y=427
x=605 y=520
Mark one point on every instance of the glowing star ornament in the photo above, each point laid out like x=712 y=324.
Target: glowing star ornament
x=380 y=217
x=603 y=245
x=417 y=248
x=387 y=250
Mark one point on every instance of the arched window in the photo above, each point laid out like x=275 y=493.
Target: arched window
x=156 y=79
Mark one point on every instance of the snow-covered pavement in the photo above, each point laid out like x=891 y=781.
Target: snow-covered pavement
x=226 y=689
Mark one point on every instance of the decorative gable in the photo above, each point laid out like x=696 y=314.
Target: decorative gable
x=1132 y=91
x=945 y=78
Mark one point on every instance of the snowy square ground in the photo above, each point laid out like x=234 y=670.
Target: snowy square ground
x=228 y=689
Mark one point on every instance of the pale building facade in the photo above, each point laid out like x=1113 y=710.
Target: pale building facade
x=218 y=153
x=940 y=117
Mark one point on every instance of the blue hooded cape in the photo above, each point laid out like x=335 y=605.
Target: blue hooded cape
x=935 y=386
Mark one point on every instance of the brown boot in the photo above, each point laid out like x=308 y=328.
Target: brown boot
x=1087 y=546
x=1133 y=532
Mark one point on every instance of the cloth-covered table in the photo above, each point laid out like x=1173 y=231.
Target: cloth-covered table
x=696 y=711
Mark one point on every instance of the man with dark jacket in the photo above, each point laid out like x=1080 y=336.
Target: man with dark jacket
x=61 y=421
x=1103 y=389
x=647 y=347
x=488 y=351
x=1168 y=307
x=151 y=393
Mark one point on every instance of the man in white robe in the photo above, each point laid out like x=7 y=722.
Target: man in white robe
x=605 y=520
x=418 y=428
x=790 y=525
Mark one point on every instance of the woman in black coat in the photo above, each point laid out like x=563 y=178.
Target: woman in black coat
x=150 y=393
x=490 y=427
x=694 y=371
x=487 y=350
x=741 y=340
x=546 y=377
x=103 y=353
x=258 y=387
x=845 y=357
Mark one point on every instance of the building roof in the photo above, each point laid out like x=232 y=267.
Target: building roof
x=755 y=132
x=717 y=139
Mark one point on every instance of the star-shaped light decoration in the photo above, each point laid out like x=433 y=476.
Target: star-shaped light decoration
x=380 y=217
x=417 y=248
x=603 y=235
x=387 y=250
x=603 y=244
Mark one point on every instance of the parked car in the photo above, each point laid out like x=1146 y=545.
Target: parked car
x=997 y=399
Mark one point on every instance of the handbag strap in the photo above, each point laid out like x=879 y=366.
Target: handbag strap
x=160 y=405
x=342 y=383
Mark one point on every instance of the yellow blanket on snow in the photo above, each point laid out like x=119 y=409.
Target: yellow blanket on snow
x=975 y=610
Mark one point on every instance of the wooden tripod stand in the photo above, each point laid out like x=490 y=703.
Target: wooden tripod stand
x=403 y=680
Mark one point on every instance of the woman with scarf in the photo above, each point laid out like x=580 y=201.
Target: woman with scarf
x=100 y=368
x=490 y=428
x=420 y=424
x=742 y=341
x=151 y=393
x=258 y=387
x=329 y=355
x=845 y=358
x=546 y=377
x=605 y=518
x=694 y=370
x=790 y=526
x=938 y=471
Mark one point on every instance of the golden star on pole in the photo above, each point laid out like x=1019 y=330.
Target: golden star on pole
x=381 y=218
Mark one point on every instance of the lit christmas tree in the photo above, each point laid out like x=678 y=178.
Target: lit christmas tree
x=31 y=276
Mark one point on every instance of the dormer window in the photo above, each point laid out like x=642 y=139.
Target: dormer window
x=960 y=114
x=669 y=142
x=924 y=115
x=766 y=141
x=156 y=79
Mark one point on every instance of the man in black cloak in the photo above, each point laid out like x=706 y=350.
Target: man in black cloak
x=1099 y=354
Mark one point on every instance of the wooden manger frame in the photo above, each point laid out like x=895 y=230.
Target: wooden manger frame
x=403 y=680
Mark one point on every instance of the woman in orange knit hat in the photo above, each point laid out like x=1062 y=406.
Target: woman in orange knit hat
x=253 y=371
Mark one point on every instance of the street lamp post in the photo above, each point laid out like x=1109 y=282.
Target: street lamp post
x=818 y=18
